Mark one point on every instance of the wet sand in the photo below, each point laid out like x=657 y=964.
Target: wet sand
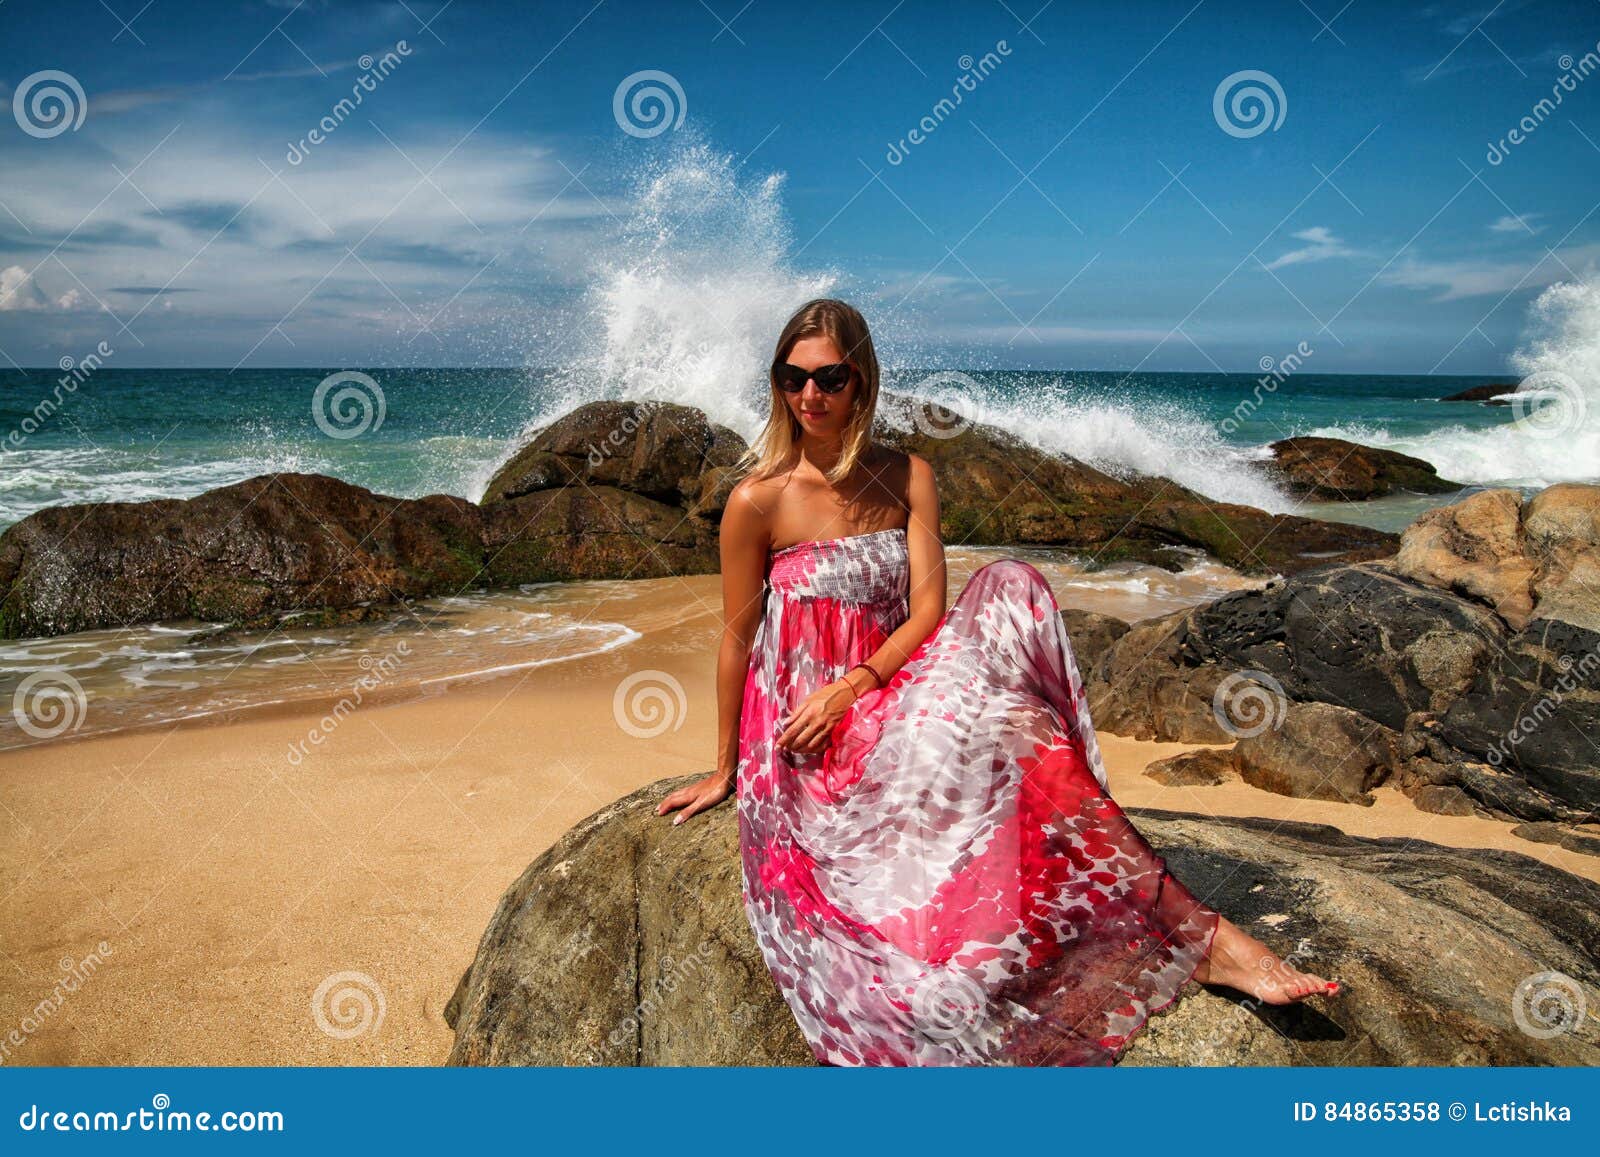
x=229 y=883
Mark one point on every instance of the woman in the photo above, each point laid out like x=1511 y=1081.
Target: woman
x=932 y=864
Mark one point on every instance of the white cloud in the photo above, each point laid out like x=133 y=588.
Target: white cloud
x=19 y=291
x=261 y=247
x=1522 y=224
x=1456 y=279
x=1321 y=245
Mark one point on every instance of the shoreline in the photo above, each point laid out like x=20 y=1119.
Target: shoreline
x=230 y=885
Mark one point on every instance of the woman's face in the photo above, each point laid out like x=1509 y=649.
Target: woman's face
x=819 y=413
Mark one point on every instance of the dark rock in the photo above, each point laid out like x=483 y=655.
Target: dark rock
x=1486 y=394
x=1560 y=835
x=1333 y=470
x=1534 y=708
x=312 y=550
x=1356 y=636
x=996 y=489
x=1319 y=751
x=275 y=543
x=1443 y=800
x=1202 y=767
x=1505 y=716
x=1092 y=635
x=655 y=449
x=626 y=943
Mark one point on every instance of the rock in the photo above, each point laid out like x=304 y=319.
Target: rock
x=1359 y=637
x=1505 y=716
x=1474 y=548
x=658 y=450
x=1538 y=559
x=1444 y=800
x=1561 y=536
x=996 y=489
x=1490 y=395
x=1349 y=635
x=1092 y=635
x=1534 y=709
x=1561 y=835
x=626 y=943
x=271 y=544
x=1333 y=470
x=1202 y=767
x=1146 y=686
x=1319 y=751
x=589 y=532
x=318 y=550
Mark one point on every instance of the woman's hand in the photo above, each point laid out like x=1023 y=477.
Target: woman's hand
x=809 y=727
x=697 y=797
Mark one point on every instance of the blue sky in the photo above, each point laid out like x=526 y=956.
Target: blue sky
x=1082 y=207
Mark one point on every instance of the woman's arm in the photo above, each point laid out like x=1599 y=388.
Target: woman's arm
x=927 y=595
x=743 y=544
x=810 y=726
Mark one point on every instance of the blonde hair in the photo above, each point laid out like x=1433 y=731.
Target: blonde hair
x=774 y=447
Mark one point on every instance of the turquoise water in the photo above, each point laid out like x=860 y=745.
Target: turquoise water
x=128 y=434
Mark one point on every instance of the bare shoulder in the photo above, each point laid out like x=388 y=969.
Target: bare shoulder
x=749 y=508
x=919 y=474
x=755 y=495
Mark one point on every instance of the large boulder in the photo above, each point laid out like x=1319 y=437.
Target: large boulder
x=1474 y=548
x=659 y=450
x=1534 y=559
x=1333 y=470
x=626 y=944
x=274 y=543
x=1319 y=751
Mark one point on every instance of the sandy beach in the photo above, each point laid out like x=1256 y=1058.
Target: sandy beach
x=229 y=883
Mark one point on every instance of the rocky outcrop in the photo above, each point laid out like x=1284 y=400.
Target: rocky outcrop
x=1333 y=470
x=610 y=490
x=626 y=944
x=1489 y=395
x=659 y=450
x=1527 y=560
x=996 y=489
x=1471 y=682
x=320 y=549
x=275 y=543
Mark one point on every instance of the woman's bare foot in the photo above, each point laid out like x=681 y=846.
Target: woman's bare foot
x=1240 y=961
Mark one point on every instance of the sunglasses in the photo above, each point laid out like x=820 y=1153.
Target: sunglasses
x=792 y=379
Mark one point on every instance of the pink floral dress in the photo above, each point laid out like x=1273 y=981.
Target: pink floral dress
x=950 y=882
